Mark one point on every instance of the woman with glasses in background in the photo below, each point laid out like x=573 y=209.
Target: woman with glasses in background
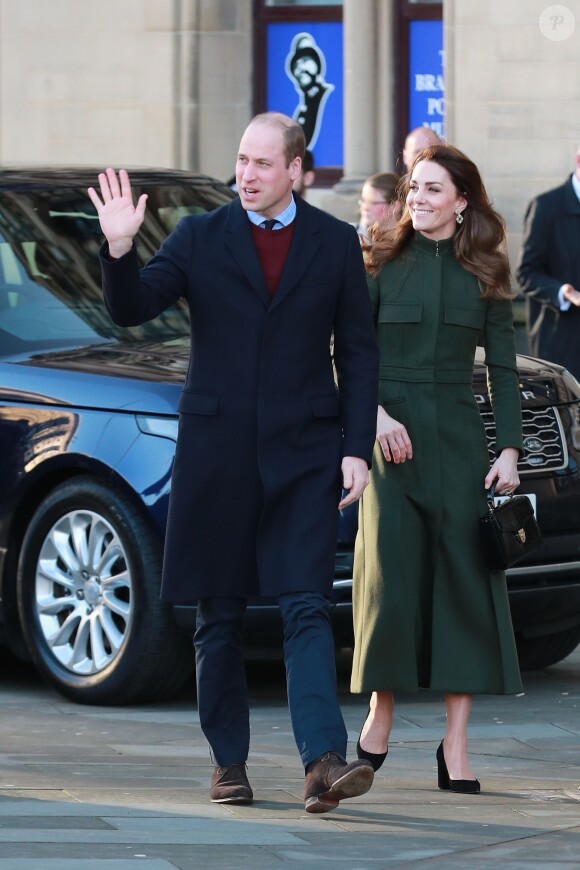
x=378 y=201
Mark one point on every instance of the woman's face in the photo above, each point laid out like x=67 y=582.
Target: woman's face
x=373 y=206
x=433 y=201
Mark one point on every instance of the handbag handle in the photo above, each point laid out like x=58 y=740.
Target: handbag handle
x=490 y=495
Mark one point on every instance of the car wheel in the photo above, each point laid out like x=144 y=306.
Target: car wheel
x=88 y=599
x=535 y=653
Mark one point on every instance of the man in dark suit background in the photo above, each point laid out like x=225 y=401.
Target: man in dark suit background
x=549 y=273
x=266 y=440
x=307 y=175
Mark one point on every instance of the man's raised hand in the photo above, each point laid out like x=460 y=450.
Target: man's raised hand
x=119 y=218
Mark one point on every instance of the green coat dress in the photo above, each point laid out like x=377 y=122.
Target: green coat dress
x=427 y=612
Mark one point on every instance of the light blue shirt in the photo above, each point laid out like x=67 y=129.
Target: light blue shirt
x=284 y=218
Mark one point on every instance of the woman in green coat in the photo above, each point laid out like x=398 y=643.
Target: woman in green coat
x=427 y=611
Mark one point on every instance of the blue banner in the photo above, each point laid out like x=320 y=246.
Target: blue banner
x=304 y=80
x=426 y=85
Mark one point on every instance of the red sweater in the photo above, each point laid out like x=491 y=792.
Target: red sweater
x=272 y=247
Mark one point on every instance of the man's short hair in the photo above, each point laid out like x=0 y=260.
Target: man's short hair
x=292 y=133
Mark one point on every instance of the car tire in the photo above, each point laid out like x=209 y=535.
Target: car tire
x=88 y=598
x=535 y=653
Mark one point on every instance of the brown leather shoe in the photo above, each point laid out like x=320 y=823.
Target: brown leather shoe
x=229 y=785
x=329 y=779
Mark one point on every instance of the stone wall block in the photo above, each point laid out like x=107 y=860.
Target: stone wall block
x=211 y=15
x=525 y=43
x=474 y=70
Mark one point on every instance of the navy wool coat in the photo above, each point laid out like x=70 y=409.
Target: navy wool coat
x=263 y=425
x=551 y=257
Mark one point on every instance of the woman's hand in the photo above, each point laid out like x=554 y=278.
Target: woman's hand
x=505 y=471
x=393 y=438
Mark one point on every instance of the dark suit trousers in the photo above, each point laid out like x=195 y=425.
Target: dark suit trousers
x=222 y=694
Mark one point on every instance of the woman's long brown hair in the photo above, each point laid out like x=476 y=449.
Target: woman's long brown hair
x=479 y=242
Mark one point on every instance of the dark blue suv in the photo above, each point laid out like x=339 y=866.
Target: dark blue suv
x=88 y=422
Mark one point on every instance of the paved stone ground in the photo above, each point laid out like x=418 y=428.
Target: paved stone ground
x=86 y=788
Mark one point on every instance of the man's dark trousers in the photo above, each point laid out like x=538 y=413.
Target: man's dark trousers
x=222 y=695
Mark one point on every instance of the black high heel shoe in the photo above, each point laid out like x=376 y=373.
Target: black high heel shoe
x=375 y=758
x=465 y=786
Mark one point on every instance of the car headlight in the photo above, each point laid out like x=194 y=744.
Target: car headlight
x=161 y=427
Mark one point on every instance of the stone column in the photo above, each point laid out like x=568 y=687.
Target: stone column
x=368 y=101
x=384 y=109
x=213 y=75
x=360 y=87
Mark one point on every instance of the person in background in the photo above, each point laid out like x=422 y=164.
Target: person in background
x=415 y=141
x=549 y=273
x=307 y=175
x=427 y=611
x=266 y=438
x=378 y=201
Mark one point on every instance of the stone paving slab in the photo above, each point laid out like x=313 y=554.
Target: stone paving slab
x=85 y=864
x=165 y=831
x=105 y=788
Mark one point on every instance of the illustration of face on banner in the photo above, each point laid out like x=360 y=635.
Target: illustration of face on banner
x=304 y=80
x=306 y=66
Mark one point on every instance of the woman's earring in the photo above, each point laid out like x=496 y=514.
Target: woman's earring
x=459 y=217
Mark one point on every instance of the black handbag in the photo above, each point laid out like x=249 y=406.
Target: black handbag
x=508 y=531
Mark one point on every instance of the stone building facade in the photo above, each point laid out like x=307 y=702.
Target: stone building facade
x=170 y=83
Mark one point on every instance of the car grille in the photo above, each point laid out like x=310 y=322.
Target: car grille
x=544 y=442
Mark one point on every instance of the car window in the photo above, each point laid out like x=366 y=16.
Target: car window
x=50 y=278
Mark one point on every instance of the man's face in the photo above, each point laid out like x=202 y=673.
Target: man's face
x=305 y=71
x=415 y=142
x=263 y=180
